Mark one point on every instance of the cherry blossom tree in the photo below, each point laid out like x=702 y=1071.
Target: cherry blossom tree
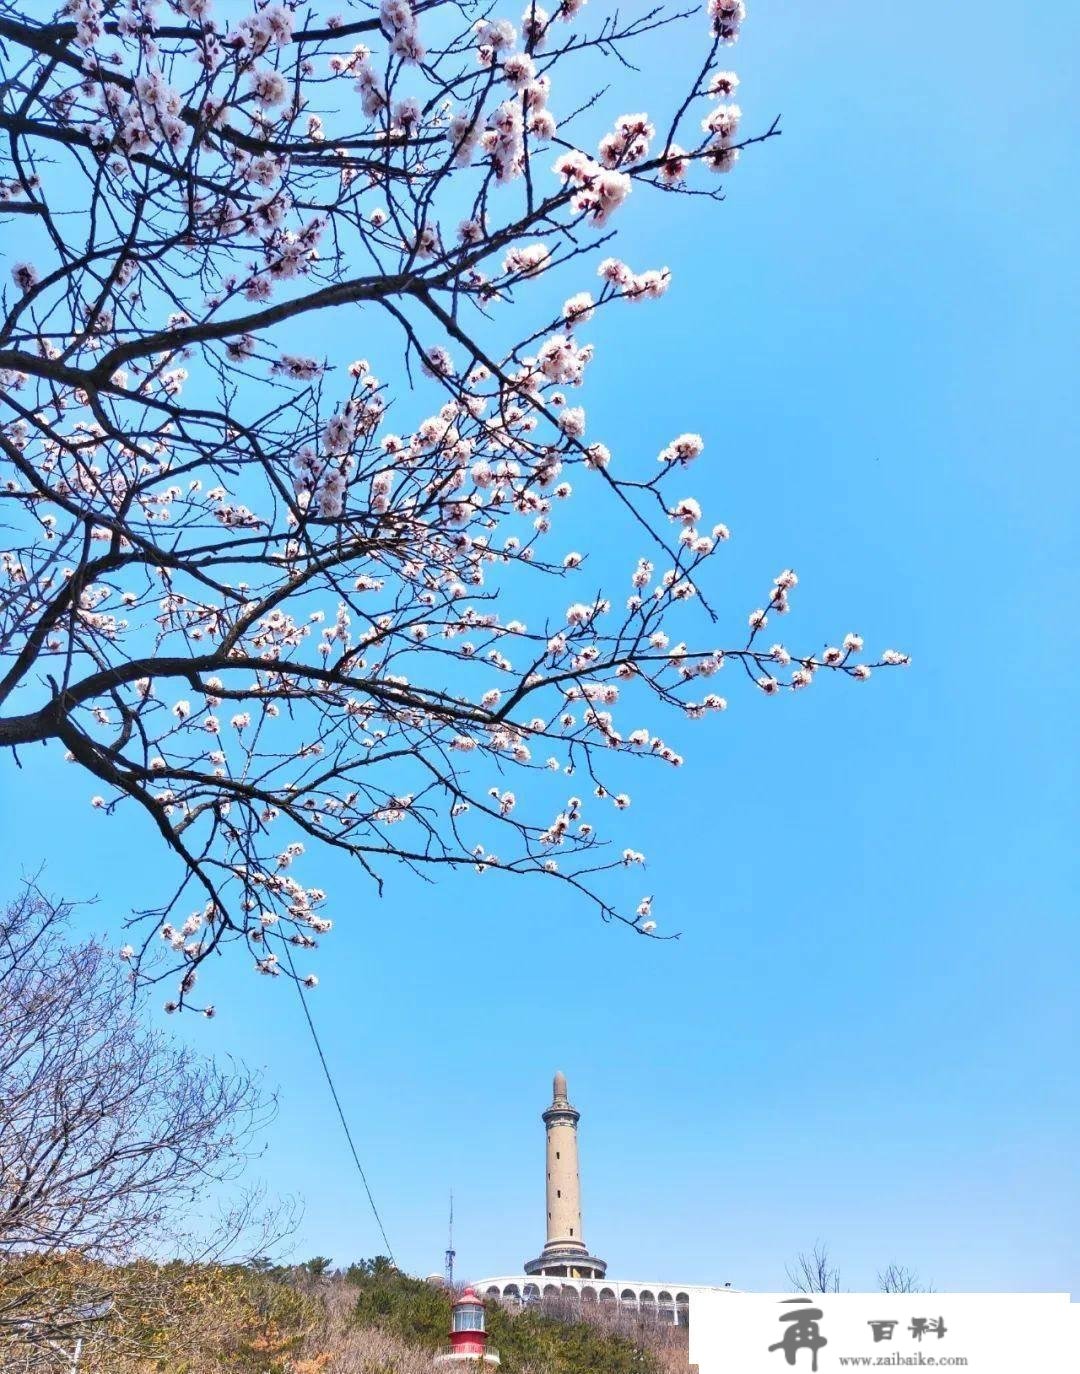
x=260 y=593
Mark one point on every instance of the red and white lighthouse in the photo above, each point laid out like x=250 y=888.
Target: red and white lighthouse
x=468 y=1336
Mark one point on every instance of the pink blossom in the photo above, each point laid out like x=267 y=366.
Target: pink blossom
x=649 y=285
x=372 y=101
x=534 y=22
x=526 y=259
x=463 y=132
x=674 y=167
x=573 y=166
x=687 y=510
x=518 y=70
x=438 y=363
x=683 y=450
x=25 y=276
x=296 y=367
x=268 y=87
x=727 y=17
x=271 y=25
x=498 y=34
x=578 y=309
x=408 y=114
x=720 y=158
x=615 y=272
x=543 y=125
x=723 y=85
x=604 y=193
x=629 y=143
x=579 y=614
x=572 y=421
x=398 y=19
x=560 y=359
x=723 y=121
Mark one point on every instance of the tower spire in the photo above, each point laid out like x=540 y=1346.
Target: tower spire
x=451 y=1253
x=565 y=1253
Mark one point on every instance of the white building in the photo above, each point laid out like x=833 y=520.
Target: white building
x=669 y=1302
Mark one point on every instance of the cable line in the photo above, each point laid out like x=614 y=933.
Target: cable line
x=337 y=1104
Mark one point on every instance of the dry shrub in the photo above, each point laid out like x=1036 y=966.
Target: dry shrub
x=337 y=1346
x=666 y=1345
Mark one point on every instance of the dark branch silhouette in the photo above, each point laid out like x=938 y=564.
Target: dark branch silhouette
x=272 y=601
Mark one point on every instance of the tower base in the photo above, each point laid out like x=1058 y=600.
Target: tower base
x=567 y=1262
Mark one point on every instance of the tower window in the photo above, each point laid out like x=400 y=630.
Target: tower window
x=571 y=1230
x=557 y=1155
x=558 y=1192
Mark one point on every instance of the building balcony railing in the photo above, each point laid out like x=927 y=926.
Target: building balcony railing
x=490 y=1355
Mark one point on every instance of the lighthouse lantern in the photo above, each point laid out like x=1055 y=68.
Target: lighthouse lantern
x=468 y=1313
x=468 y=1336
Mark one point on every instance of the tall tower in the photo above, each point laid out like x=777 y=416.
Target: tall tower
x=565 y=1254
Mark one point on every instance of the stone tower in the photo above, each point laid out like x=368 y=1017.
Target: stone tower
x=565 y=1254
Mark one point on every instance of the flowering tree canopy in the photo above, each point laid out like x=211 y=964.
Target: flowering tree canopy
x=242 y=593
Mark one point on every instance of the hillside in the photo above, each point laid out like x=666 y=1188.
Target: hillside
x=368 y=1319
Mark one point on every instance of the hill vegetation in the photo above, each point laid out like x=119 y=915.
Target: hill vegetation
x=257 y=1319
x=554 y=1338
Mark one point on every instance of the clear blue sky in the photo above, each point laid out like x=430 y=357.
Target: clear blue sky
x=868 y=1033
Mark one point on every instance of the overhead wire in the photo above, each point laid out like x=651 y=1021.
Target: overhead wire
x=337 y=1103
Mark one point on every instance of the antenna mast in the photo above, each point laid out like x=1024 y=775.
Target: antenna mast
x=450 y=1251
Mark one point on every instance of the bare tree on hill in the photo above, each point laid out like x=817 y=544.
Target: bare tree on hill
x=114 y=1140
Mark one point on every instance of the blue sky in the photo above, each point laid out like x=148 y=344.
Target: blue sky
x=868 y=1031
